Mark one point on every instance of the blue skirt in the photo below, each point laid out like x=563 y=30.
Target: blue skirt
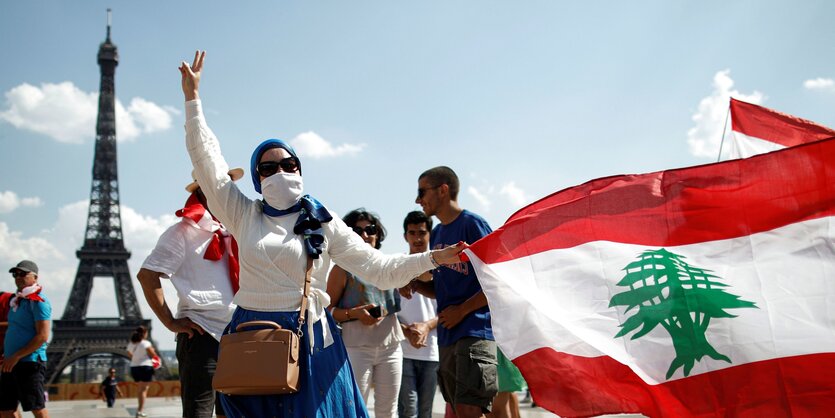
x=326 y=383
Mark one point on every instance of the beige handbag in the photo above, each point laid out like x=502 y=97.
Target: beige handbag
x=263 y=361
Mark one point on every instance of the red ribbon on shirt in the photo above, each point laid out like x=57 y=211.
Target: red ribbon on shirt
x=194 y=210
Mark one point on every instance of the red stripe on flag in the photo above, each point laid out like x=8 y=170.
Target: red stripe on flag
x=771 y=125
x=573 y=386
x=675 y=207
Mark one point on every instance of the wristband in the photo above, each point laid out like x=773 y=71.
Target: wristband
x=432 y=259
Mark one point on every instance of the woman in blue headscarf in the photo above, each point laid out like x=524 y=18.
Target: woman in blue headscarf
x=276 y=235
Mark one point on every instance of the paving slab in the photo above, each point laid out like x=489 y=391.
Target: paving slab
x=170 y=408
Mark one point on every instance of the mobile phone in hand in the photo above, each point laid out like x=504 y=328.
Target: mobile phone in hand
x=375 y=312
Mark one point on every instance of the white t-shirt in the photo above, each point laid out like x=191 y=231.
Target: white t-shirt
x=203 y=286
x=419 y=309
x=140 y=354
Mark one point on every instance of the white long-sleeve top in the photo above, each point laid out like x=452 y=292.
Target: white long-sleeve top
x=272 y=256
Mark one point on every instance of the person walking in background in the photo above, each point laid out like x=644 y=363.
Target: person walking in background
x=370 y=329
x=200 y=258
x=110 y=388
x=279 y=237
x=418 y=322
x=467 y=373
x=24 y=348
x=141 y=353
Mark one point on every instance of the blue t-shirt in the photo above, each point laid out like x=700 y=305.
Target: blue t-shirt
x=22 y=327
x=457 y=283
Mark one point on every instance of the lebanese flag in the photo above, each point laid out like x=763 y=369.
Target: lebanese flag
x=696 y=292
x=757 y=130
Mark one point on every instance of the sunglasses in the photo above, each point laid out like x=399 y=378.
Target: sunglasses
x=370 y=230
x=287 y=165
x=422 y=192
x=19 y=273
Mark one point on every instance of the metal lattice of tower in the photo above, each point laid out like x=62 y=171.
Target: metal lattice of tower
x=103 y=253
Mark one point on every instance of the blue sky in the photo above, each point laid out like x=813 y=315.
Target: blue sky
x=520 y=98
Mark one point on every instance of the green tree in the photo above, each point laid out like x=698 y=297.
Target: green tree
x=681 y=298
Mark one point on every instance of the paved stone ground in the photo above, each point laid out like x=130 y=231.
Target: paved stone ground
x=170 y=408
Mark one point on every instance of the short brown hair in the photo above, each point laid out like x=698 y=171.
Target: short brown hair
x=443 y=175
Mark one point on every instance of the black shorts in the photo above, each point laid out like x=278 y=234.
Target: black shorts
x=142 y=373
x=24 y=386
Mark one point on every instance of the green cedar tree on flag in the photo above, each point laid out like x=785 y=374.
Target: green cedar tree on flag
x=704 y=291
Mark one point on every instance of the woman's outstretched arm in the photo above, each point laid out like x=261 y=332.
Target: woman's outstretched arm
x=226 y=202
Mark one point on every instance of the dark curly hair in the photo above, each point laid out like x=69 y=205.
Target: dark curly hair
x=360 y=214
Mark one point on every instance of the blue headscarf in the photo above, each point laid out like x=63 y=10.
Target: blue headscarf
x=312 y=213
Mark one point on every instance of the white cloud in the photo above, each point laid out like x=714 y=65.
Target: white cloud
x=141 y=231
x=9 y=201
x=15 y=247
x=310 y=144
x=53 y=249
x=514 y=194
x=704 y=138
x=826 y=84
x=60 y=111
x=507 y=198
x=67 y=114
x=480 y=197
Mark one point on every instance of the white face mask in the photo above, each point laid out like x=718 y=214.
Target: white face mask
x=282 y=190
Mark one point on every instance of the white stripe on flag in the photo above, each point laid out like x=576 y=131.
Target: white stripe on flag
x=744 y=146
x=562 y=297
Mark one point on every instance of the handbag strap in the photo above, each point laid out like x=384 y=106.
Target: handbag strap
x=303 y=310
x=248 y=324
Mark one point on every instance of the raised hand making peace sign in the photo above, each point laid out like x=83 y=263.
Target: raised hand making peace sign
x=191 y=75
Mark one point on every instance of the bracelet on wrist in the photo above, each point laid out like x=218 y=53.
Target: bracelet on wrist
x=432 y=259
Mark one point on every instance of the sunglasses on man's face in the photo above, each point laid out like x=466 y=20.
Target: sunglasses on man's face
x=19 y=273
x=422 y=192
x=287 y=165
x=370 y=230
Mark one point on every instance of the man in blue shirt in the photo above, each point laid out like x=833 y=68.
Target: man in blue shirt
x=23 y=368
x=467 y=373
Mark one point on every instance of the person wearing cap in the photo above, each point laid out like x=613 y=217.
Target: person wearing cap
x=24 y=349
x=199 y=256
x=278 y=235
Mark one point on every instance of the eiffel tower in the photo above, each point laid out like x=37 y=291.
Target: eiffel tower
x=75 y=336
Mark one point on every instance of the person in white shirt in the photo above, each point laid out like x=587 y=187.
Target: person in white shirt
x=278 y=236
x=418 y=322
x=141 y=353
x=199 y=256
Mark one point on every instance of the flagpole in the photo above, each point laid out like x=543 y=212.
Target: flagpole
x=724 y=128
